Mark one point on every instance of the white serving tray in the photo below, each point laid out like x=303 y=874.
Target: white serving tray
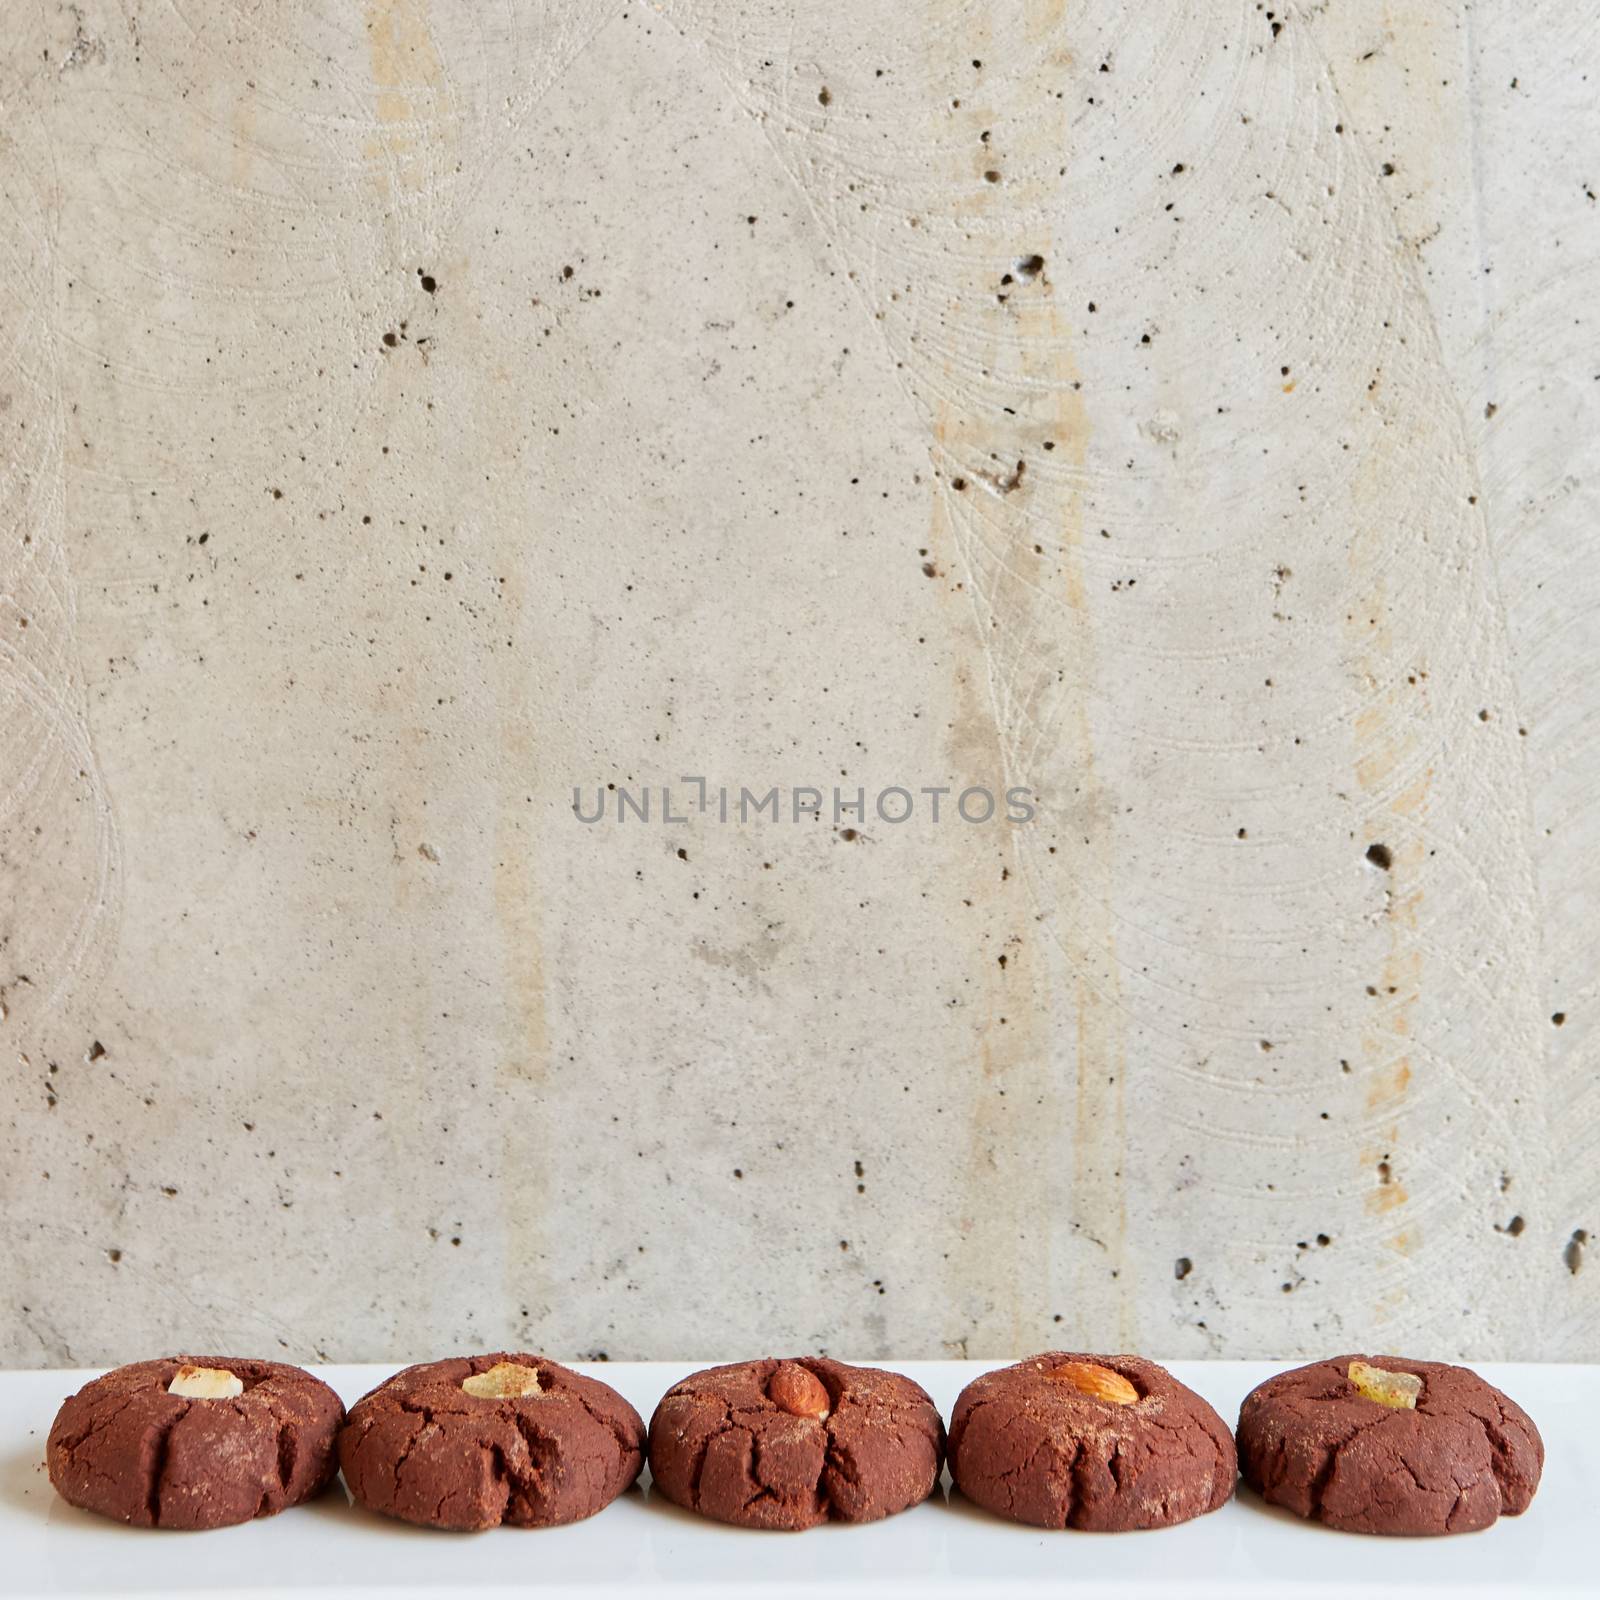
x=947 y=1547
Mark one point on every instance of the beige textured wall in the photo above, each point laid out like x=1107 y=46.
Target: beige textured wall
x=411 y=411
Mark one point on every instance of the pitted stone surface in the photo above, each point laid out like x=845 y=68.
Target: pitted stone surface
x=415 y=413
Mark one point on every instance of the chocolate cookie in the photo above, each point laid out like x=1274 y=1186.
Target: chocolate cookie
x=477 y=1441
x=195 y=1441
x=1104 y=1443
x=1380 y=1444
x=789 y=1444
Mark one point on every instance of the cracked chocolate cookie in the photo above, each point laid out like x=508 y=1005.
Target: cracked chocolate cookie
x=195 y=1441
x=478 y=1441
x=1380 y=1444
x=789 y=1444
x=1104 y=1443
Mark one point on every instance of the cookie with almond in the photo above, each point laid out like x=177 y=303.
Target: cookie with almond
x=1099 y=1442
x=788 y=1444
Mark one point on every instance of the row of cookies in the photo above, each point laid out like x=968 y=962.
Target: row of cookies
x=1096 y=1442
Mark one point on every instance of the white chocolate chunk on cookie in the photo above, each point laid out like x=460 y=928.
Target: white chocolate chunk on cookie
x=205 y=1383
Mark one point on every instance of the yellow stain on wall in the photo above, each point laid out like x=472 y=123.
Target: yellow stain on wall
x=1023 y=1096
x=1385 y=745
x=412 y=89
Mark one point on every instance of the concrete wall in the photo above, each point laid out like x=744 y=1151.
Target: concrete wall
x=1182 y=414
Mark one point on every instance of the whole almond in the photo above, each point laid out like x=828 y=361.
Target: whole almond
x=798 y=1391
x=1099 y=1383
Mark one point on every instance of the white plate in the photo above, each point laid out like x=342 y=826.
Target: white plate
x=943 y=1548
